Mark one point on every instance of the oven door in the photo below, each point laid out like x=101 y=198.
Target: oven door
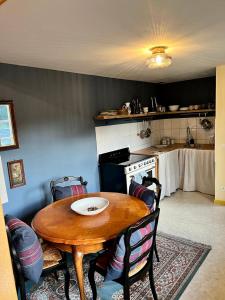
x=139 y=175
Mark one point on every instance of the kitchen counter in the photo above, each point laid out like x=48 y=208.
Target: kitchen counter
x=179 y=166
x=156 y=151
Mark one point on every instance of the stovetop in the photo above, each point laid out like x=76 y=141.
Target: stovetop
x=131 y=159
x=122 y=157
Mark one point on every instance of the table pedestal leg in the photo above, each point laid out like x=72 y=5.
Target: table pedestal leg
x=78 y=264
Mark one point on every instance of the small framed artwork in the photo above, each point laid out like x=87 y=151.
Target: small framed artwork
x=16 y=173
x=8 y=132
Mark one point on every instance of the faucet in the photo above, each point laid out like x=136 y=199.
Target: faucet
x=189 y=139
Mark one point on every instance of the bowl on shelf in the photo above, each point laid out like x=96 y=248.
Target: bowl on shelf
x=90 y=206
x=173 y=107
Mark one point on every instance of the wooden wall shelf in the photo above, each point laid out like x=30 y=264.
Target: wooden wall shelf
x=158 y=115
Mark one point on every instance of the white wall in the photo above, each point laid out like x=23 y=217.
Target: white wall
x=118 y=136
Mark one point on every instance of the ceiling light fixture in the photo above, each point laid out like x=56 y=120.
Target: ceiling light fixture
x=159 y=58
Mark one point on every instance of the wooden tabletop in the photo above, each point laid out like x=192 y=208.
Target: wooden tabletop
x=57 y=223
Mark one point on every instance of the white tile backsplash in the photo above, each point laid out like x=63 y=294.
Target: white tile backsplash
x=179 y=129
x=113 y=137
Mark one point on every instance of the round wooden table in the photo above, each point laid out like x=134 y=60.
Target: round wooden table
x=68 y=231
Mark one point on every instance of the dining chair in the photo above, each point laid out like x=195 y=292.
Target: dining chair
x=67 y=186
x=30 y=261
x=149 y=196
x=131 y=258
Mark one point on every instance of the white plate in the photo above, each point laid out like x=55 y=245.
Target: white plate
x=84 y=206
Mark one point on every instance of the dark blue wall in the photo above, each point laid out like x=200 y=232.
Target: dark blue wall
x=54 y=114
x=188 y=92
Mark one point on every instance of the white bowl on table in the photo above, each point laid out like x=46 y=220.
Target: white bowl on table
x=173 y=107
x=90 y=206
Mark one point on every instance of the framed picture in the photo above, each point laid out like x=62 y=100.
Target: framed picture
x=8 y=132
x=16 y=173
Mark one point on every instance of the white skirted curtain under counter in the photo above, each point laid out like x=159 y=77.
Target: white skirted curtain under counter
x=169 y=172
x=187 y=169
x=197 y=170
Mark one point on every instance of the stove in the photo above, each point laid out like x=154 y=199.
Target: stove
x=119 y=167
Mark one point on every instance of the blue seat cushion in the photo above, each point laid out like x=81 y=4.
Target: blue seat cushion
x=139 y=191
x=61 y=192
x=27 y=247
x=116 y=265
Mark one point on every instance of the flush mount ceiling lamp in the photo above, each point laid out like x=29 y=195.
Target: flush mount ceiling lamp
x=159 y=58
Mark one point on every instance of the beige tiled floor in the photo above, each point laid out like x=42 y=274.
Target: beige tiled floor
x=193 y=216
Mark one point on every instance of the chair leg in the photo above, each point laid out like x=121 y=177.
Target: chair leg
x=152 y=284
x=126 y=292
x=67 y=283
x=91 y=277
x=21 y=288
x=56 y=275
x=156 y=252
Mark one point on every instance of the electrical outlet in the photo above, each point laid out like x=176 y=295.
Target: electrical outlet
x=222 y=188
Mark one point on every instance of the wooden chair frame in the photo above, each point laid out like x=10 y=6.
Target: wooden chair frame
x=66 y=179
x=146 y=181
x=125 y=279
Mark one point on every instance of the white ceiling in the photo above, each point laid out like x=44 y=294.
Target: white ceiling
x=111 y=37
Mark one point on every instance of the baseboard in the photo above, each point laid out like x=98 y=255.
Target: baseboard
x=219 y=202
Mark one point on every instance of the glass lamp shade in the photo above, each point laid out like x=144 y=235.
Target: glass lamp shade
x=159 y=59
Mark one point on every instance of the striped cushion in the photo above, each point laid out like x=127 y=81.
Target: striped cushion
x=27 y=247
x=143 y=193
x=116 y=266
x=61 y=192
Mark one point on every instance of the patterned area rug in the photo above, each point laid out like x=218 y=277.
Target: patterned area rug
x=179 y=261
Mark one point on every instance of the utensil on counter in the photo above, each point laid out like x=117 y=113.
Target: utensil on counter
x=153 y=104
x=135 y=106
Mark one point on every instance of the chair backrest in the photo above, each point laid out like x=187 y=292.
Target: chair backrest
x=146 y=243
x=143 y=193
x=66 y=186
x=133 y=247
x=148 y=181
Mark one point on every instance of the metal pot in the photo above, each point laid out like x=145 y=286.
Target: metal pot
x=206 y=124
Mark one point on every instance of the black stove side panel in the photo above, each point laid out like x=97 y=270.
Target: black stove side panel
x=112 y=178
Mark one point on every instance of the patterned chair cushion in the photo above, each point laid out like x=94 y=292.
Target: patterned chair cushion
x=116 y=265
x=61 y=192
x=27 y=247
x=50 y=253
x=143 y=193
